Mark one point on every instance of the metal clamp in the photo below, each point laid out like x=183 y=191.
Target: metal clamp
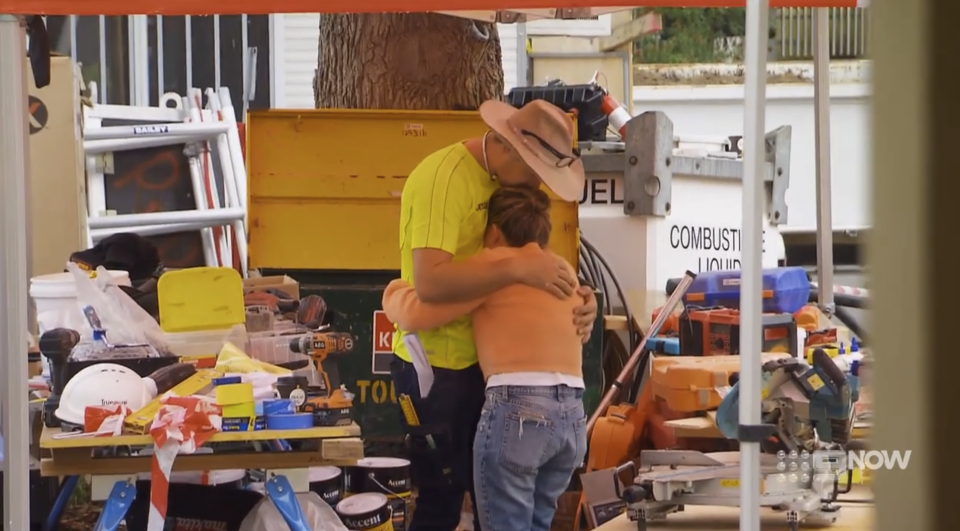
x=115 y=509
x=282 y=495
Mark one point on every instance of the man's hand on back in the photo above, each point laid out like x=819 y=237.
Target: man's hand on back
x=586 y=315
x=542 y=270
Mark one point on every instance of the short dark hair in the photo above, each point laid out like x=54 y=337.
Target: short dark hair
x=521 y=214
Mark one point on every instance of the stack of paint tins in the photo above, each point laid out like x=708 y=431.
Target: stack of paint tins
x=238 y=408
x=375 y=487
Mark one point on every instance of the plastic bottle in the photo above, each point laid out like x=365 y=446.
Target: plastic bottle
x=854 y=345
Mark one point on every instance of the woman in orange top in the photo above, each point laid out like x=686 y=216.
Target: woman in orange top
x=532 y=431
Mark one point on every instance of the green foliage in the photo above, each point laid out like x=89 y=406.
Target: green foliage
x=690 y=35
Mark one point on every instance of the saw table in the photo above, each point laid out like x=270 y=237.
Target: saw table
x=854 y=516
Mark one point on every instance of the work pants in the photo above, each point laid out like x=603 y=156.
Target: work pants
x=441 y=448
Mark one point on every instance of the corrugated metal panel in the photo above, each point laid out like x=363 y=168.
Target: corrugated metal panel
x=301 y=33
x=508 y=52
x=849 y=33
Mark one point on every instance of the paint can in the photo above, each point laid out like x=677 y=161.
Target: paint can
x=384 y=475
x=327 y=482
x=368 y=511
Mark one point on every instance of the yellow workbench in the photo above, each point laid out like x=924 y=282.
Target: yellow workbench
x=335 y=446
x=853 y=517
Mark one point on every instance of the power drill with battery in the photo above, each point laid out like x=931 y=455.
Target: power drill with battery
x=324 y=348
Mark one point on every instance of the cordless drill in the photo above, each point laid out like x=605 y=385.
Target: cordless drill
x=323 y=348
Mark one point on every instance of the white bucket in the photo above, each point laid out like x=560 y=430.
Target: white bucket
x=52 y=293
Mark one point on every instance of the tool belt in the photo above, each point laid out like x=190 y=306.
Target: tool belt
x=432 y=445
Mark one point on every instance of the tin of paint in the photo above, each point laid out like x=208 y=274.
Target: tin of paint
x=327 y=482
x=368 y=511
x=385 y=475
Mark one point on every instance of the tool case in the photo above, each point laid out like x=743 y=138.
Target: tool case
x=693 y=383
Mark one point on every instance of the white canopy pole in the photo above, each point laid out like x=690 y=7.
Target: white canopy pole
x=755 y=80
x=821 y=118
x=13 y=272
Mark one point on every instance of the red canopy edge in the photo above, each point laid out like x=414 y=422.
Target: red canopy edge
x=259 y=7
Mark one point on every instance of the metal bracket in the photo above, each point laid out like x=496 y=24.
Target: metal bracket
x=778 y=156
x=647 y=173
x=649 y=164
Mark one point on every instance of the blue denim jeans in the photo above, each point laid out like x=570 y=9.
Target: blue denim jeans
x=529 y=442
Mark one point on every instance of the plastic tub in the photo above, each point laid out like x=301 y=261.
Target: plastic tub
x=52 y=293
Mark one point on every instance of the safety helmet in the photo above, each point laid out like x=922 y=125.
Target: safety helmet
x=103 y=384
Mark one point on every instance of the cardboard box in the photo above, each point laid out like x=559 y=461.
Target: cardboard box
x=281 y=283
x=57 y=185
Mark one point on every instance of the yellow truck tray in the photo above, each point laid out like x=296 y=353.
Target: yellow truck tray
x=324 y=185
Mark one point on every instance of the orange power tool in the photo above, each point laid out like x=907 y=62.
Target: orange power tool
x=323 y=348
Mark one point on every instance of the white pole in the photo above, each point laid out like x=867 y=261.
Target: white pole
x=222 y=216
x=194 y=131
x=821 y=118
x=755 y=66
x=13 y=272
x=96 y=147
x=154 y=230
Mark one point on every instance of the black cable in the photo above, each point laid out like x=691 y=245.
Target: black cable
x=634 y=336
x=848 y=320
x=585 y=271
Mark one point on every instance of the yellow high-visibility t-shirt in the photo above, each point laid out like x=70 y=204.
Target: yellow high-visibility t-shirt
x=444 y=206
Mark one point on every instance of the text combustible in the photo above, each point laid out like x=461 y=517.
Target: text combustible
x=708 y=240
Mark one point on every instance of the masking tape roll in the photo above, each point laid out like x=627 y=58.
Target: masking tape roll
x=246 y=409
x=297 y=421
x=232 y=394
x=279 y=407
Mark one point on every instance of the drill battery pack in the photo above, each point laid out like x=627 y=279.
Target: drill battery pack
x=716 y=332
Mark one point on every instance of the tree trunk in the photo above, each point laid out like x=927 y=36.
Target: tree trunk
x=406 y=62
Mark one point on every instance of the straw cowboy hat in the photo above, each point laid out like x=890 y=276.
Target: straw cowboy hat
x=543 y=135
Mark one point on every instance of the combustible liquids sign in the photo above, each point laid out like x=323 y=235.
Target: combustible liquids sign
x=382 y=343
x=702 y=232
x=717 y=248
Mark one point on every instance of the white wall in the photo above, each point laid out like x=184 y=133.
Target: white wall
x=295 y=42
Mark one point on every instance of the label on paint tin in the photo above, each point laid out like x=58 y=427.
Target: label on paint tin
x=399 y=509
x=298 y=396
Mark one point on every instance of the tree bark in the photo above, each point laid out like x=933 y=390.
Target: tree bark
x=406 y=62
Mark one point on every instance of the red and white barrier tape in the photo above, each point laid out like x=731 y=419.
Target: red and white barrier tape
x=847 y=290
x=180 y=427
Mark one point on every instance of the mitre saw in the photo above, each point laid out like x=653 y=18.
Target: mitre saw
x=810 y=408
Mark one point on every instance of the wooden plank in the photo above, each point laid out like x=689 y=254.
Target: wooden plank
x=696 y=427
x=627 y=33
x=47 y=439
x=80 y=461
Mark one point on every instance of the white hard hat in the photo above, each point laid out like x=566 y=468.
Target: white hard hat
x=103 y=384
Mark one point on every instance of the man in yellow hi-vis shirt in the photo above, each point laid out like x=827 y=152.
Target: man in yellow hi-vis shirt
x=443 y=218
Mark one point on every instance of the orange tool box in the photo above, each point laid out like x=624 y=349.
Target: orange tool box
x=694 y=383
x=716 y=332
